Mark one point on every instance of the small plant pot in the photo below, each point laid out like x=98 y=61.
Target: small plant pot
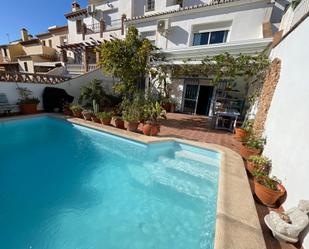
x=119 y=123
x=246 y=152
x=106 y=121
x=87 y=116
x=28 y=108
x=77 y=114
x=167 y=107
x=67 y=112
x=95 y=119
x=268 y=196
x=240 y=133
x=251 y=167
x=151 y=130
x=131 y=126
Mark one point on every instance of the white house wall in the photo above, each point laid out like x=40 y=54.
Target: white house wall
x=245 y=23
x=72 y=87
x=286 y=127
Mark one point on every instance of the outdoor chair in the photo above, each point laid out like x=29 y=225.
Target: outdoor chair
x=5 y=106
x=289 y=230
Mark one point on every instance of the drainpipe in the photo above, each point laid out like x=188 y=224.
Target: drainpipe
x=102 y=27
x=123 y=18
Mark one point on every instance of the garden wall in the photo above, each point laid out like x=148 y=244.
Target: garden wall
x=72 y=86
x=287 y=123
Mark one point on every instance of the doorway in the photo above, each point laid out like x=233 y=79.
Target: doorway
x=204 y=100
x=197 y=98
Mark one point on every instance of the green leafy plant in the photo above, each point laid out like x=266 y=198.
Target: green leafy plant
x=260 y=160
x=247 y=125
x=255 y=143
x=265 y=180
x=104 y=115
x=127 y=60
x=261 y=163
x=153 y=112
x=25 y=98
x=92 y=94
x=295 y=3
x=76 y=108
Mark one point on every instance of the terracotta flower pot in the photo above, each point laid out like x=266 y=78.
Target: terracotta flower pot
x=106 y=121
x=87 y=116
x=240 y=133
x=67 y=112
x=246 y=152
x=28 y=108
x=251 y=167
x=77 y=114
x=119 y=123
x=151 y=130
x=266 y=195
x=95 y=119
x=131 y=126
x=166 y=107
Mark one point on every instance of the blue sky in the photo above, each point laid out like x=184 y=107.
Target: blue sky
x=34 y=15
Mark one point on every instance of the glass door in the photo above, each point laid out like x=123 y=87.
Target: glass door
x=191 y=96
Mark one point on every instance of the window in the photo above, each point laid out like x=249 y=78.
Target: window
x=79 y=24
x=212 y=37
x=26 y=66
x=5 y=52
x=50 y=43
x=150 y=5
x=44 y=43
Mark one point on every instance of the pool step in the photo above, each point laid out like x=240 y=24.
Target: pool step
x=179 y=181
x=173 y=182
x=189 y=169
x=196 y=158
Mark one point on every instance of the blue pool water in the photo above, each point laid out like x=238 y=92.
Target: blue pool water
x=68 y=187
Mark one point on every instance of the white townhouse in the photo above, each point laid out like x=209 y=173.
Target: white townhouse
x=182 y=29
x=89 y=26
x=194 y=29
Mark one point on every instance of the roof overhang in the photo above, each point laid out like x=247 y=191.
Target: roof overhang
x=196 y=54
x=78 y=13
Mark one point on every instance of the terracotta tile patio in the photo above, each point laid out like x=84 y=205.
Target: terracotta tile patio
x=199 y=128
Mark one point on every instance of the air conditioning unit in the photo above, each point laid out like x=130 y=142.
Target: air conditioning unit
x=91 y=9
x=163 y=26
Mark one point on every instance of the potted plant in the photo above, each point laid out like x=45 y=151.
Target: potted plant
x=118 y=121
x=244 y=130
x=253 y=146
x=95 y=107
x=104 y=117
x=76 y=110
x=87 y=114
x=67 y=110
x=153 y=113
x=131 y=113
x=258 y=163
x=267 y=189
x=27 y=104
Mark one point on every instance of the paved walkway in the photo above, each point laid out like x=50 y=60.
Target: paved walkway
x=199 y=128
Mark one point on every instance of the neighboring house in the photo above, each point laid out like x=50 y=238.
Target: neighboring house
x=29 y=55
x=192 y=30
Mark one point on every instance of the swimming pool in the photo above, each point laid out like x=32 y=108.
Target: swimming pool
x=65 y=186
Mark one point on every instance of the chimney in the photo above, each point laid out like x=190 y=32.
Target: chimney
x=24 y=34
x=75 y=6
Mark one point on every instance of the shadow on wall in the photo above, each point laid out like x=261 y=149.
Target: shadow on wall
x=178 y=36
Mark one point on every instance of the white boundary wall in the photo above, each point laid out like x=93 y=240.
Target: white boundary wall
x=287 y=124
x=72 y=86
